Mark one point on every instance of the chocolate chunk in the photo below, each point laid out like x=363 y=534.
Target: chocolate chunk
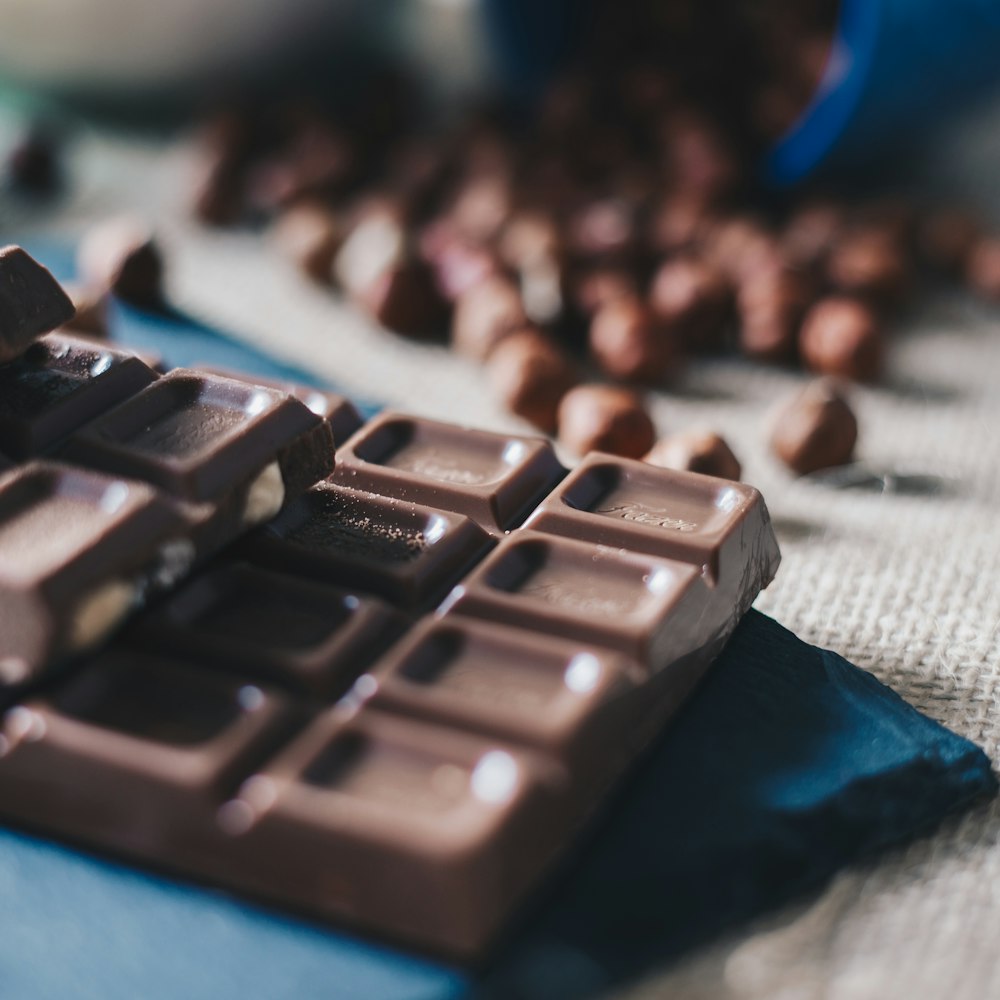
x=60 y=384
x=308 y=637
x=692 y=301
x=202 y=437
x=495 y=479
x=31 y=302
x=403 y=552
x=484 y=315
x=78 y=551
x=122 y=256
x=695 y=451
x=841 y=336
x=605 y=418
x=630 y=345
x=530 y=375
x=405 y=299
x=816 y=429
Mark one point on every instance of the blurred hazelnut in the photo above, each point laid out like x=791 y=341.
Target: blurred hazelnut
x=308 y=234
x=692 y=300
x=605 y=418
x=528 y=237
x=375 y=241
x=530 y=375
x=770 y=308
x=695 y=451
x=91 y=306
x=810 y=232
x=946 y=238
x=816 y=429
x=485 y=314
x=121 y=255
x=982 y=270
x=604 y=230
x=629 y=345
x=869 y=263
x=595 y=286
x=841 y=336
x=405 y=300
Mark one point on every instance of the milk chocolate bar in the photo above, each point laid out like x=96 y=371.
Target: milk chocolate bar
x=31 y=302
x=394 y=704
x=59 y=384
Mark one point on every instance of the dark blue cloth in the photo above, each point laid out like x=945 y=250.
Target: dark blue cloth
x=787 y=764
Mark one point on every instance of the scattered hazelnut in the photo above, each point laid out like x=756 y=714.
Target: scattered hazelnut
x=695 y=451
x=122 y=256
x=484 y=315
x=816 y=429
x=841 y=336
x=530 y=375
x=605 y=418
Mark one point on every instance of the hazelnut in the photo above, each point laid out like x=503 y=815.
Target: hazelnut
x=841 y=336
x=816 y=429
x=695 y=451
x=530 y=375
x=605 y=418
x=629 y=345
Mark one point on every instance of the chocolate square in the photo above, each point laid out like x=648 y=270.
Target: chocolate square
x=308 y=637
x=495 y=479
x=404 y=552
x=59 y=384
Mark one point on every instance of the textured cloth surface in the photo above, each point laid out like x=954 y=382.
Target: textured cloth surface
x=903 y=583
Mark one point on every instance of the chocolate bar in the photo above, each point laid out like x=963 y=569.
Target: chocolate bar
x=59 y=384
x=156 y=475
x=31 y=302
x=394 y=704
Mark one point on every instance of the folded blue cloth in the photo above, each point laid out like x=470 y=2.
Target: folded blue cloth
x=787 y=764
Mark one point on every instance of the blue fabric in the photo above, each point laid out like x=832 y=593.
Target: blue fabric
x=787 y=764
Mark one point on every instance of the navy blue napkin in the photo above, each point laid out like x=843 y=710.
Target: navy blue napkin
x=787 y=764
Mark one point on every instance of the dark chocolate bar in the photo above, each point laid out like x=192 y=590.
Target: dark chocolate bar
x=59 y=384
x=299 y=736
x=31 y=302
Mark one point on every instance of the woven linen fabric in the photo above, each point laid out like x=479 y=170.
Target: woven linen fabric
x=901 y=582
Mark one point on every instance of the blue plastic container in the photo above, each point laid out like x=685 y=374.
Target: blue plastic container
x=897 y=69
